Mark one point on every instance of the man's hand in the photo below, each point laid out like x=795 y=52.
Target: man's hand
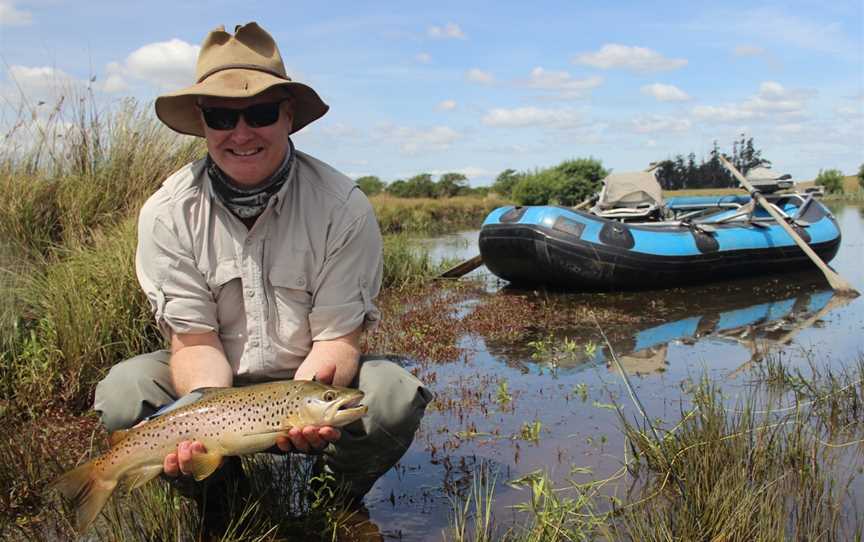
x=311 y=437
x=177 y=463
x=308 y=439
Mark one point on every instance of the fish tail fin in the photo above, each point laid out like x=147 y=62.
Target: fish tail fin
x=86 y=492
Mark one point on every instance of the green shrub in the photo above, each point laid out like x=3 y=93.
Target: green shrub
x=539 y=188
x=581 y=179
x=831 y=180
x=568 y=183
x=505 y=182
x=370 y=185
x=861 y=176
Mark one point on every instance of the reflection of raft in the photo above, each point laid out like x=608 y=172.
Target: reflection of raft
x=651 y=243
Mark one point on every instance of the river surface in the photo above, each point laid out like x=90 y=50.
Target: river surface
x=670 y=338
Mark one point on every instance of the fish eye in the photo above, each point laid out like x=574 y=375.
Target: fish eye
x=329 y=395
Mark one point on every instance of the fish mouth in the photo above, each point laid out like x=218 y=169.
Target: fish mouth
x=347 y=409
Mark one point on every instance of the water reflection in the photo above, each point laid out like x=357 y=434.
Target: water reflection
x=760 y=319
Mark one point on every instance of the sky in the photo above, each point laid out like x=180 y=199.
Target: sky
x=478 y=87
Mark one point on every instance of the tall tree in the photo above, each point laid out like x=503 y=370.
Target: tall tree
x=370 y=185
x=451 y=184
x=505 y=182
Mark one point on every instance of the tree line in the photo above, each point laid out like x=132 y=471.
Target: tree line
x=448 y=185
x=682 y=173
x=572 y=181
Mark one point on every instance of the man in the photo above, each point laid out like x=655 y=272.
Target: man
x=261 y=262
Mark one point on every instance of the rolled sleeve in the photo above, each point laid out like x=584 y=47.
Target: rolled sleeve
x=345 y=290
x=178 y=292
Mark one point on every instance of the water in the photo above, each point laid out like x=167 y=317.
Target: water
x=665 y=340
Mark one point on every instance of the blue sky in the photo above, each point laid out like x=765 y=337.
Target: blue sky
x=478 y=87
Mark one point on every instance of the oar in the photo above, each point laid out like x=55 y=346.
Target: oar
x=834 y=303
x=465 y=267
x=836 y=281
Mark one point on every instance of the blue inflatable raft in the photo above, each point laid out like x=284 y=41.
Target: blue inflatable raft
x=655 y=245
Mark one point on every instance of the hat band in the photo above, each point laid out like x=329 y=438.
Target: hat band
x=257 y=67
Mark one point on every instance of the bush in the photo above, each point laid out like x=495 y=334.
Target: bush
x=370 y=185
x=539 y=188
x=568 y=183
x=581 y=179
x=505 y=182
x=831 y=180
x=861 y=176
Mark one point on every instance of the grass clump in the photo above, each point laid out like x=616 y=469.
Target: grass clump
x=741 y=474
x=82 y=172
x=83 y=313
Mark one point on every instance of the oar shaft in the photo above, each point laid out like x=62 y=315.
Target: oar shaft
x=836 y=281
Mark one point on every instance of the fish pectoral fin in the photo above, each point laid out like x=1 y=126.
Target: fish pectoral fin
x=138 y=478
x=267 y=433
x=203 y=465
x=117 y=436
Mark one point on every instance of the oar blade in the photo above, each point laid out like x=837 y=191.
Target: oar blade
x=462 y=268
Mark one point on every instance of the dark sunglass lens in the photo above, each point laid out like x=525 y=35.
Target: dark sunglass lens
x=261 y=114
x=220 y=118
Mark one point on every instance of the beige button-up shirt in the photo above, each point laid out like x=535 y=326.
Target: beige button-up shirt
x=308 y=270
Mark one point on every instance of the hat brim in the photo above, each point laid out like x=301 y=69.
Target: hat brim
x=179 y=112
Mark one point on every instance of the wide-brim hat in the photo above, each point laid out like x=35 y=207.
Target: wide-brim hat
x=239 y=66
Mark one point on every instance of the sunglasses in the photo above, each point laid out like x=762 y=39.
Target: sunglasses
x=256 y=116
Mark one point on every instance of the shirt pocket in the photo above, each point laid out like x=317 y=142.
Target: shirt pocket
x=291 y=304
x=221 y=276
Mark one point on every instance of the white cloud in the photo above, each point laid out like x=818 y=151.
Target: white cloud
x=656 y=123
x=12 y=16
x=723 y=113
x=114 y=80
x=423 y=58
x=773 y=102
x=446 y=105
x=532 y=116
x=562 y=83
x=748 y=50
x=665 y=93
x=636 y=59
x=338 y=130
x=448 y=31
x=165 y=64
x=413 y=141
x=39 y=84
x=476 y=75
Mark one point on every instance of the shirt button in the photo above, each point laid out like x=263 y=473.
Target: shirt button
x=250 y=293
x=254 y=344
x=301 y=281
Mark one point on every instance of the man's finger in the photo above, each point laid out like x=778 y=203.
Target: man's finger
x=330 y=434
x=284 y=444
x=170 y=465
x=298 y=441
x=310 y=433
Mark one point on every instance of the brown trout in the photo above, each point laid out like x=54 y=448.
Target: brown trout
x=228 y=421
